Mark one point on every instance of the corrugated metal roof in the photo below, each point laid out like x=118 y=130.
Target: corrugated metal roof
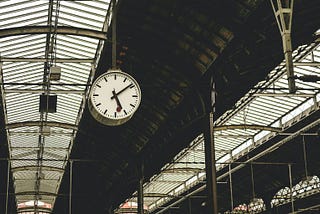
x=37 y=158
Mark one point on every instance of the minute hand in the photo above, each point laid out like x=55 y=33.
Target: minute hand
x=122 y=90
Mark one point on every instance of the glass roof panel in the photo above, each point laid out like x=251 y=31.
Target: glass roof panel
x=27 y=59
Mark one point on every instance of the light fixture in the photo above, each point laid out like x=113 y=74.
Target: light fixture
x=55 y=73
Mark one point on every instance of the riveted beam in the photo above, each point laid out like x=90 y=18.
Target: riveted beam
x=36 y=60
x=247 y=126
x=41 y=123
x=37 y=193
x=47 y=29
x=35 y=168
x=182 y=170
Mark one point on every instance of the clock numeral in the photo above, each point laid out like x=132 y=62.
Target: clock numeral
x=105 y=111
x=132 y=86
x=132 y=105
x=125 y=112
x=115 y=114
x=115 y=77
x=98 y=104
x=134 y=95
x=105 y=79
x=96 y=95
x=125 y=79
x=99 y=86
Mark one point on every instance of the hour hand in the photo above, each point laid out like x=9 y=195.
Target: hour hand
x=119 y=107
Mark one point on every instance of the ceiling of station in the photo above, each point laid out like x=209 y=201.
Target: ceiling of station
x=172 y=48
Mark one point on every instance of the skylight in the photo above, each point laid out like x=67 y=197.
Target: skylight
x=40 y=142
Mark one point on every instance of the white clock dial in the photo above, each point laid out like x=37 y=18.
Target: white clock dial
x=115 y=96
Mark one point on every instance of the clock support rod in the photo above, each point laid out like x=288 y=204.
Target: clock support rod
x=114 y=34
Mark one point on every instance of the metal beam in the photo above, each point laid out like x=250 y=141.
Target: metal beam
x=44 y=148
x=168 y=181
x=37 y=193
x=247 y=126
x=281 y=95
x=36 y=133
x=182 y=170
x=304 y=64
x=41 y=91
x=35 y=168
x=57 y=60
x=232 y=136
x=156 y=195
x=41 y=123
x=47 y=29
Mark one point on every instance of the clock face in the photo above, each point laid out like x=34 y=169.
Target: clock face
x=115 y=95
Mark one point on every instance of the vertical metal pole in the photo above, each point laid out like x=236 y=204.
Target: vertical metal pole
x=252 y=182
x=305 y=156
x=8 y=182
x=210 y=155
x=70 y=186
x=190 y=208
x=114 y=34
x=140 y=189
x=231 y=190
x=211 y=164
x=214 y=170
x=286 y=39
x=290 y=183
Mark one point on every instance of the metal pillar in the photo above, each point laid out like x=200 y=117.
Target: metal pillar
x=8 y=182
x=252 y=182
x=305 y=157
x=140 y=189
x=283 y=13
x=290 y=183
x=231 y=190
x=70 y=186
x=189 y=205
x=210 y=156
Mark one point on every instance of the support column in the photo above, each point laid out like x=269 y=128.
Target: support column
x=189 y=205
x=70 y=186
x=211 y=176
x=231 y=188
x=283 y=13
x=8 y=183
x=140 y=189
x=290 y=183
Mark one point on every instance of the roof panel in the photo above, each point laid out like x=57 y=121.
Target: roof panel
x=24 y=79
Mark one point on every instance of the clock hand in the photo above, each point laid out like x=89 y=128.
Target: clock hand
x=122 y=90
x=119 y=107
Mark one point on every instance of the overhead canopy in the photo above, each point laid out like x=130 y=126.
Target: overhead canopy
x=171 y=48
